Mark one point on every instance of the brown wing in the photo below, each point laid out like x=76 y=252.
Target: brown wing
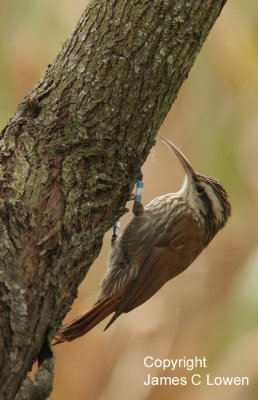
x=172 y=252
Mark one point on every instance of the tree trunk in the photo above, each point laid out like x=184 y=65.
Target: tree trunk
x=70 y=157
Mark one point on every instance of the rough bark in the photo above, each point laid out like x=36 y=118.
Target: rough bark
x=70 y=157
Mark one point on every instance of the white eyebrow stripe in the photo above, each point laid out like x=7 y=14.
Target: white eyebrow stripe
x=215 y=201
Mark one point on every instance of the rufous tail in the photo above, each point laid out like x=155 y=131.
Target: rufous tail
x=86 y=322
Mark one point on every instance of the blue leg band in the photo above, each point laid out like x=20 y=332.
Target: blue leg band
x=139 y=191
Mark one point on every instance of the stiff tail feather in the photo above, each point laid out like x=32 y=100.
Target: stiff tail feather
x=86 y=322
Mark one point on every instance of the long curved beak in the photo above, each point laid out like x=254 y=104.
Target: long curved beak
x=182 y=158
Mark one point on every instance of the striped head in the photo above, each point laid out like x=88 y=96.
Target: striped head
x=205 y=196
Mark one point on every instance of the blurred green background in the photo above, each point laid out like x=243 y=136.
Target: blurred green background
x=212 y=309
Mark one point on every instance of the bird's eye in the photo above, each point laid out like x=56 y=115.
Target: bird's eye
x=200 y=189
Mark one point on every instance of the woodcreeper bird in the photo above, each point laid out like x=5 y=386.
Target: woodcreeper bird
x=159 y=243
